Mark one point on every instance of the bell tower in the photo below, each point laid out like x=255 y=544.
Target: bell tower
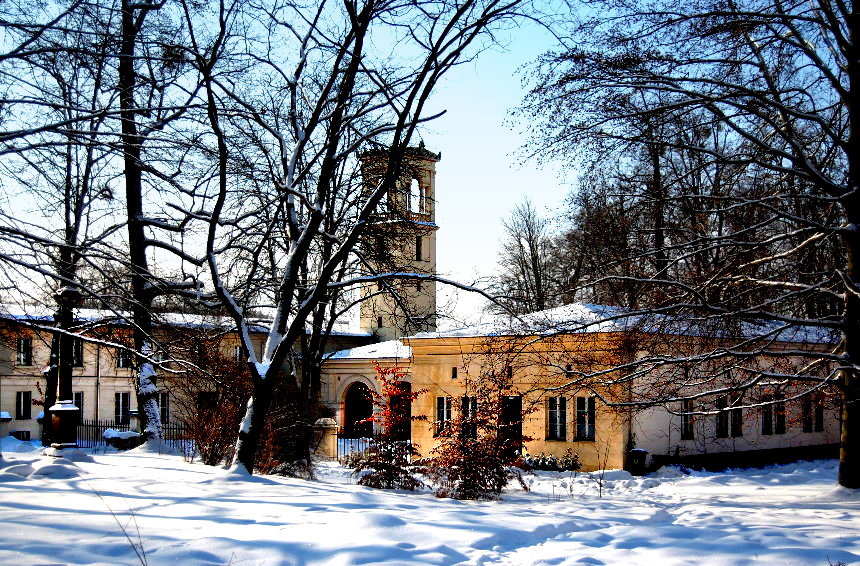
x=401 y=239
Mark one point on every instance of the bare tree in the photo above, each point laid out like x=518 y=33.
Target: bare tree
x=526 y=281
x=57 y=216
x=777 y=82
x=330 y=95
x=113 y=78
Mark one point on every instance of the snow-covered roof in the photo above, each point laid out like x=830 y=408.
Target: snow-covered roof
x=589 y=318
x=391 y=349
x=186 y=320
x=43 y=313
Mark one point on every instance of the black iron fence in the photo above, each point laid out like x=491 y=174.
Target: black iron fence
x=346 y=446
x=176 y=436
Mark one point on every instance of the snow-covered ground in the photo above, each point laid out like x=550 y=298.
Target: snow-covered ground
x=141 y=507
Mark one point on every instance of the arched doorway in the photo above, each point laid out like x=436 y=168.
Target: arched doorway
x=357 y=408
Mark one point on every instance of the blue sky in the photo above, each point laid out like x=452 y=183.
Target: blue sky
x=480 y=177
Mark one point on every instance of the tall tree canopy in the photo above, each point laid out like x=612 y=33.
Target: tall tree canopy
x=731 y=127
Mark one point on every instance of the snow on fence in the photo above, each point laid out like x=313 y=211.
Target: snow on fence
x=91 y=434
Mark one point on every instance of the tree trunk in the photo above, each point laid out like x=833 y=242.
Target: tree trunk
x=252 y=425
x=849 y=455
x=50 y=374
x=147 y=392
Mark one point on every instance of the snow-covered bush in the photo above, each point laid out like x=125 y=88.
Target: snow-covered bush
x=569 y=462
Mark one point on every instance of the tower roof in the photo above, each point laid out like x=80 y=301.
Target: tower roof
x=416 y=152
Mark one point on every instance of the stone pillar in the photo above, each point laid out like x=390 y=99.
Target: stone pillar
x=325 y=431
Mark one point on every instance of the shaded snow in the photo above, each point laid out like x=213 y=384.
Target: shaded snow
x=59 y=511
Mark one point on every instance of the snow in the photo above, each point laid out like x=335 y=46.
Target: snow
x=382 y=350
x=107 y=508
x=124 y=434
x=588 y=318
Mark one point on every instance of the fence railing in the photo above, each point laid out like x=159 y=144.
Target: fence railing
x=349 y=445
x=177 y=436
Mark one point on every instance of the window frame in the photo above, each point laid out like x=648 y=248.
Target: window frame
x=78 y=400
x=164 y=406
x=469 y=412
x=23 y=405
x=773 y=415
x=443 y=415
x=124 y=359
x=767 y=420
x=24 y=351
x=687 y=422
x=586 y=419
x=722 y=418
x=122 y=408
x=77 y=353
x=812 y=413
x=240 y=354
x=556 y=413
x=818 y=415
x=779 y=414
x=736 y=423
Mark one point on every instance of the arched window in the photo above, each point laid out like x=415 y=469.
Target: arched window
x=416 y=197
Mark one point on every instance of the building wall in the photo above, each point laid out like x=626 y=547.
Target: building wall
x=99 y=379
x=533 y=369
x=538 y=368
x=658 y=431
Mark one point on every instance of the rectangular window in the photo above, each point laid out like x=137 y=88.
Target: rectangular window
x=79 y=403
x=443 y=415
x=121 y=407
x=454 y=372
x=585 y=413
x=469 y=408
x=124 y=359
x=419 y=252
x=77 y=353
x=737 y=422
x=767 y=416
x=773 y=415
x=23 y=405
x=419 y=285
x=722 y=418
x=819 y=415
x=164 y=406
x=686 y=420
x=556 y=410
x=812 y=414
x=25 y=352
x=378 y=322
x=240 y=354
x=779 y=415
